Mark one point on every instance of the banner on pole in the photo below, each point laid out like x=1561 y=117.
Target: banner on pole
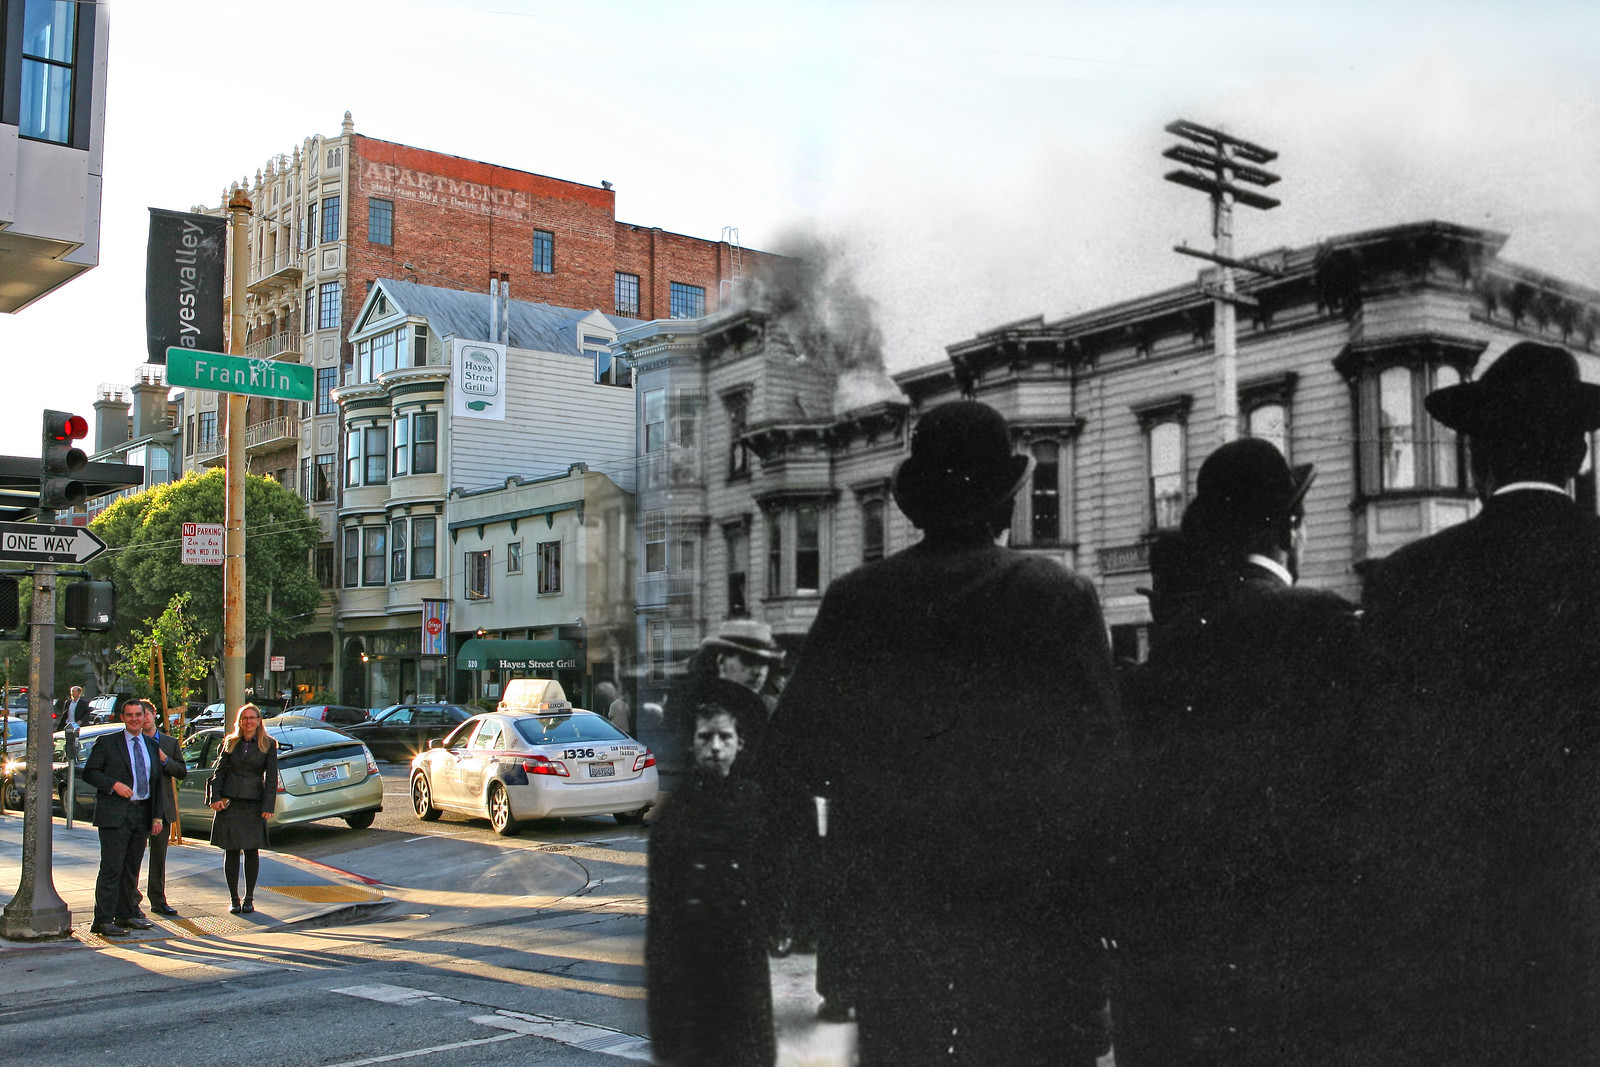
x=435 y=627
x=184 y=282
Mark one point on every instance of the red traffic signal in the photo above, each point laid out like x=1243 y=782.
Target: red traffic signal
x=59 y=426
x=59 y=460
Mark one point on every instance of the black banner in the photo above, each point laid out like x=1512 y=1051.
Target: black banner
x=183 y=286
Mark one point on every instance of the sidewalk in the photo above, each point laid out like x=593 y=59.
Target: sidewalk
x=291 y=890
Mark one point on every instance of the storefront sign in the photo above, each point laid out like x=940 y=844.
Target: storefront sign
x=479 y=373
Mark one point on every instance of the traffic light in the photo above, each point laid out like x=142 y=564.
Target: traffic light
x=91 y=606
x=59 y=460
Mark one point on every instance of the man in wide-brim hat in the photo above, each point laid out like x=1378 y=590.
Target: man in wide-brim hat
x=744 y=651
x=962 y=952
x=1483 y=722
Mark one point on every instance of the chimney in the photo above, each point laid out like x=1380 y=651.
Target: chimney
x=505 y=310
x=494 y=307
x=150 y=402
x=110 y=418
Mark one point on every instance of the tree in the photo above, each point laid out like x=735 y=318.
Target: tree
x=183 y=660
x=144 y=532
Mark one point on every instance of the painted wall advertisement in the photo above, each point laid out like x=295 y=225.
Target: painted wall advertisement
x=480 y=380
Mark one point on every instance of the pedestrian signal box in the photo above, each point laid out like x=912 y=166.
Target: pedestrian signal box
x=91 y=606
x=10 y=614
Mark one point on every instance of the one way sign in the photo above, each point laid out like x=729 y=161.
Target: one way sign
x=27 y=542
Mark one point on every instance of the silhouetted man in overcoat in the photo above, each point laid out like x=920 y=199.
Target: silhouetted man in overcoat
x=959 y=697
x=1485 y=727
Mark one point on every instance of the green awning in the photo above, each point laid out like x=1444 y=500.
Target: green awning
x=485 y=654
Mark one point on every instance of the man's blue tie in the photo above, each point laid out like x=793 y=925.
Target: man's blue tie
x=141 y=777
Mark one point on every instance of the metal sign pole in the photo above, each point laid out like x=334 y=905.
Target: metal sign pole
x=37 y=912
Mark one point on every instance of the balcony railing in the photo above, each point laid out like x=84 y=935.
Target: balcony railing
x=277 y=344
x=271 y=432
x=280 y=269
x=210 y=447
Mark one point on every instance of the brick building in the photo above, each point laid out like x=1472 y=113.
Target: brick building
x=338 y=214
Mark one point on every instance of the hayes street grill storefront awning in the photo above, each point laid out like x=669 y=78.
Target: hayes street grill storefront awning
x=480 y=654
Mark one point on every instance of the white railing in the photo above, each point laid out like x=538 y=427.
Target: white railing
x=278 y=429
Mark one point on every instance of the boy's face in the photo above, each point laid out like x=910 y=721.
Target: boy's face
x=716 y=743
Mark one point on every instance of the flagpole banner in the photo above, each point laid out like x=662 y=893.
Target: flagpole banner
x=435 y=627
x=184 y=282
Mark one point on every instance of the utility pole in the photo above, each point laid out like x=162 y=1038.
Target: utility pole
x=233 y=534
x=1220 y=165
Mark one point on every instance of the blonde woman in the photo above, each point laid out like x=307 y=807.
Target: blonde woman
x=243 y=792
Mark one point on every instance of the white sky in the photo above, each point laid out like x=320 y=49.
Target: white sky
x=985 y=161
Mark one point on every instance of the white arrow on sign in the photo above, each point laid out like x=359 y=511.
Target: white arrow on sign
x=29 y=542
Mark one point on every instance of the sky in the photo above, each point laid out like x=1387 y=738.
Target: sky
x=977 y=162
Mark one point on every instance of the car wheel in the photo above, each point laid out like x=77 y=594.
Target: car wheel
x=631 y=818
x=11 y=797
x=422 y=798
x=500 y=812
x=361 y=820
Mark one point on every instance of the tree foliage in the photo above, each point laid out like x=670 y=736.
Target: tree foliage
x=144 y=532
x=184 y=659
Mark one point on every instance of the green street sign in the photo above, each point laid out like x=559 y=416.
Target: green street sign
x=238 y=374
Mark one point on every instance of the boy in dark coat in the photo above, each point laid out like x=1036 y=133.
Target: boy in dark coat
x=710 y=989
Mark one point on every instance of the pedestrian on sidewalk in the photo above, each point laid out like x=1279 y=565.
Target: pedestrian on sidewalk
x=165 y=789
x=711 y=918
x=975 y=928
x=122 y=768
x=243 y=791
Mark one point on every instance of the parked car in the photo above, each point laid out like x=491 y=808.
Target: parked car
x=510 y=766
x=400 y=731
x=107 y=707
x=16 y=765
x=215 y=714
x=323 y=773
x=334 y=714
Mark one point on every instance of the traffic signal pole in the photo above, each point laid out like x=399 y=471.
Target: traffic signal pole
x=37 y=912
x=233 y=534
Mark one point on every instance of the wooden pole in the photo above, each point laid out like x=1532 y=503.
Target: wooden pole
x=233 y=535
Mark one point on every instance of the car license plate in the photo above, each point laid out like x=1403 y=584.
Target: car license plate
x=326 y=774
x=602 y=770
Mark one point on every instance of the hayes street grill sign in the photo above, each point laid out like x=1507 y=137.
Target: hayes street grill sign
x=239 y=374
x=28 y=542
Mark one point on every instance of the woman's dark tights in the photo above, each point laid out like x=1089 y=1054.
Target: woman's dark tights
x=252 y=868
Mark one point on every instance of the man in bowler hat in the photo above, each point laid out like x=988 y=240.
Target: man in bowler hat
x=1241 y=712
x=1485 y=727
x=972 y=911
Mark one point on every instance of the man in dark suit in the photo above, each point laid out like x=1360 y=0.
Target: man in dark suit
x=125 y=770
x=1485 y=725
x=1237 y=722
x=172 y=769
x=74 y=709
x=972 y=910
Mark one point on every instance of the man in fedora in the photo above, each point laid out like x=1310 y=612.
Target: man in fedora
x=1485 y=727
x=959 y=696
x=1239 y=717
x=743 y=651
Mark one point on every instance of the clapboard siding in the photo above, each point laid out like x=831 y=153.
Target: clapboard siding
x=556 y=415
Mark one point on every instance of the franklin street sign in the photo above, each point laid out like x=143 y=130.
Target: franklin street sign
x=240 y=374
x=28 y=542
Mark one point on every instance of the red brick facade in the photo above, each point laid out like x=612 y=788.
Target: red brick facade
x=456 y=220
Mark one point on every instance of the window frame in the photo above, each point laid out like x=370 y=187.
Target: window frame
x=398 y=550
x=622 y=283
x=476 y=574
x=685 y=301
x=549 y=567
x=544 y=252
x=400 y=446
x=329 y=228
x=1153 y=418
x=352 y=457
x=654 y=536
x=430 y=419
x=327 y=382
x=329 y=298
x=352 y=557
x=74 y=99
x=513 y=557
x=374 y=555
x=424 y=547
x=375 y=452
x=380 y=220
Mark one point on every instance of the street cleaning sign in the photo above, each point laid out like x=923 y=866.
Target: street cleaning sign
x=202 y=542
x=240 y=374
